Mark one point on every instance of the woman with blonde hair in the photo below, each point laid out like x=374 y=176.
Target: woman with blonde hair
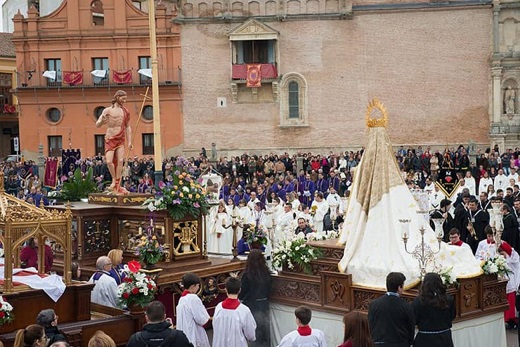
x=32 y=336
x=116 y=271
x=100 y=339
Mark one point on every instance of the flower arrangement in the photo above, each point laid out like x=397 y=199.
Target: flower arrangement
x=313 y=210
x=137 y=289
x=254 y=233
x=149 y=249
x=295 y=253
x=447 y=276
x=496 y=265
x=6 y=312
x=181 y=195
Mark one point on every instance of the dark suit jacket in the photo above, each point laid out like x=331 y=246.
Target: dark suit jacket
x=391 y=321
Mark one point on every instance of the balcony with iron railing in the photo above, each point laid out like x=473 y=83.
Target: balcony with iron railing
x=96 y=78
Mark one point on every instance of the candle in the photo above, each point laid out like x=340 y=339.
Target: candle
x=162 y=230
x=405 y=228
x=140 y=231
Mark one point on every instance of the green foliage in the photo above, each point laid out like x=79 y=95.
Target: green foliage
x=77 y=187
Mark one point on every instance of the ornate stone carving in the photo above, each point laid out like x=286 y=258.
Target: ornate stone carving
x=274 y=85
x=234 y=92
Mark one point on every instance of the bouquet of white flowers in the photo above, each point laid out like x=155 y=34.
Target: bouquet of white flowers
x=295 y=253
x=497 y=264
x=447 y=276
x=6 y=311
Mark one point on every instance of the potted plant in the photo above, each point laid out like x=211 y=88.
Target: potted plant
x=149 y=249
x=180 y=194
x=254 y=235
x=78 y=187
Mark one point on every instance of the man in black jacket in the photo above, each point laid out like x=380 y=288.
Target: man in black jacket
x=391 y=319
x=49 y=320
x=158 y=330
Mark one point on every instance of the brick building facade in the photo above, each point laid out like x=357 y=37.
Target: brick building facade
x=428 y=62
x=71 y=62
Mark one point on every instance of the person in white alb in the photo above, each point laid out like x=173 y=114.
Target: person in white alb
x=514 y=174
x=486 y=248
x=321 y=209
x=435 y=197
x=304 y=335
x=471 y=183
x=501 y=181
x=233 y=322
x=484 y=182
x=191 y=313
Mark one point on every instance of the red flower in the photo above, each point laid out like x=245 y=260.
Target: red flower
x=135 y=291
x=150 y=286
x=126 y=295
x=127 y=279
x=2 y=314
x=134 y=266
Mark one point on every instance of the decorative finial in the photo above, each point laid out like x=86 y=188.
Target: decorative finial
x=376 y=122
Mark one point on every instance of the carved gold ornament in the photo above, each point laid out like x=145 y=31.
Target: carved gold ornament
x=376 y=122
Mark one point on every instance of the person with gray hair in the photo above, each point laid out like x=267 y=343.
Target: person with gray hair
x=49 y=320
x=105 y=286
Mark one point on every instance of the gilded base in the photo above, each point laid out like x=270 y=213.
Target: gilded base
x=131 y=199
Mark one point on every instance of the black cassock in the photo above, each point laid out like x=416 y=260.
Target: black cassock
x=434 y=324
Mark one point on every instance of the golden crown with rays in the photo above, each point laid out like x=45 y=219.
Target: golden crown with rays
x=376 y=122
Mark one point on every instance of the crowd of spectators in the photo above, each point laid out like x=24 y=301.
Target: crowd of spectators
x=249 y=171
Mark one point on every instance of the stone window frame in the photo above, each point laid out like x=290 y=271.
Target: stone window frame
x=302 y=120
x=53 y=112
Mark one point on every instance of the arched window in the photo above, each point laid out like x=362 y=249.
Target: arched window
x=97 y=111
x=148 y=113
x=293 y=100
x=98 y=14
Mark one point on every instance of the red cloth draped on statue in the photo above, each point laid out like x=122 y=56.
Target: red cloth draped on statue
x=73 y=77
x=122 y=76
x=50 y=178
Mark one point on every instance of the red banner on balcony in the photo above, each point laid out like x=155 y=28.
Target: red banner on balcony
x=240 y=71
x=73 y=77
x=9 y=108
x=51 y=172
x=122 y=76
x=254 y=75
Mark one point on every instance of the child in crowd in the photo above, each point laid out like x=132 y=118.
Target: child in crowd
x=233 y=323
x=304 y=335
x=191 y=313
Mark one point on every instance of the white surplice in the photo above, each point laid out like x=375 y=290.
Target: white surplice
x=315 y=339
x=104 y=291
x=220 y=244
x=321 y=210
x=191 y=316
x=233 y=328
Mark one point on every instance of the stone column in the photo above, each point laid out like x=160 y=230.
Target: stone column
x=496 y=13
x=496 y=73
